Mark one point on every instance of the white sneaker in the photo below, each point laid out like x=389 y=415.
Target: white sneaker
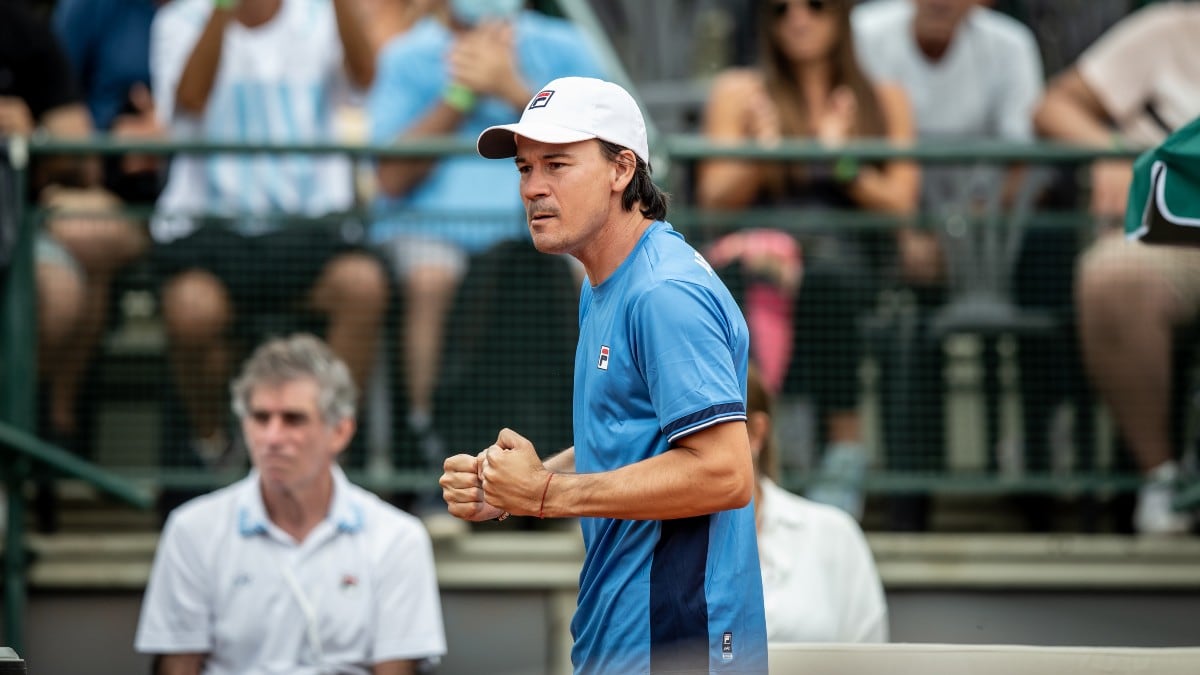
x=1154 y=514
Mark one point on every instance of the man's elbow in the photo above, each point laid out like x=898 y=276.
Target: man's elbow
x=737 y=489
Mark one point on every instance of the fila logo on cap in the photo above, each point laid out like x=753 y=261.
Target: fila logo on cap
x=602 y=364
x=541 y=99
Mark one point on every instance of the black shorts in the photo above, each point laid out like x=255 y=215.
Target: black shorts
x=273 y=271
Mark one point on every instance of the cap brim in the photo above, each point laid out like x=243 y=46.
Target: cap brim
x=500 y=141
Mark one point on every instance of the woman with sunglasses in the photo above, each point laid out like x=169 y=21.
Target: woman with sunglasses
x=808 y=85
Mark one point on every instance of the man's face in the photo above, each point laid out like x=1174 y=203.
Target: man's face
x=938 y=19
x=567 y=190
x=290 y=444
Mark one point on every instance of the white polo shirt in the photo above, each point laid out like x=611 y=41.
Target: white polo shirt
x=228 y=582
x=819 y=578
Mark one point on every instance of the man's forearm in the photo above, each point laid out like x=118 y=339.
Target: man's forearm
x=360 y=58
x=397 y=177
x=200 y=72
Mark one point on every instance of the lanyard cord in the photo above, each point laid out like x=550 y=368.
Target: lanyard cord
x=310 y=615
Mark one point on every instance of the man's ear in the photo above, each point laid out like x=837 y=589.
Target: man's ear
x=624 y=167
x=343 y=431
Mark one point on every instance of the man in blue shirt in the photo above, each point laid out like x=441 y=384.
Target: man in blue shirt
x=660 y=473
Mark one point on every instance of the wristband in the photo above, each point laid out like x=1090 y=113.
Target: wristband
x=542 y=506
x=225 y=4
x=459 y=97
x=502 y=517
x=845 y=170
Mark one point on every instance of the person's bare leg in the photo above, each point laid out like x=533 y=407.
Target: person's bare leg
x=102 y=246
x=1127 y=310
x=353 y=292
x=60 y=294
x=429 y=293
x=197 y=312
x=1126 y=315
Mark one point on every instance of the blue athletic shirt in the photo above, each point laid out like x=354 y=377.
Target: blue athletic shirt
x=663 y=351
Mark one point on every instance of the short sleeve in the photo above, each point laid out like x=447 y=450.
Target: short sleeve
x=1118 y=68
x=407 y=83
x=683 y=341
x=176 y=612
x=408 y=610
x=1023 y=88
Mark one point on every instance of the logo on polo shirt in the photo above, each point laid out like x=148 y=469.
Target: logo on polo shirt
x=602 y=364
x=349 y=581
x=541 y=99
x=727 y=646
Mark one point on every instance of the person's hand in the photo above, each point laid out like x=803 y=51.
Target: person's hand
x=1110 y=188
x=920 y=256
x=762 y=118
x=513 y=475
x=15 y=117
x=835 y=123
x=484 y=61
x=462 y=488
x=142 y=124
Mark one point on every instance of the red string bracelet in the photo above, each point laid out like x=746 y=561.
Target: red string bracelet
x=542 y=506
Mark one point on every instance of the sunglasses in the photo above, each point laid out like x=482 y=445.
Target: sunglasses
x=779 y=9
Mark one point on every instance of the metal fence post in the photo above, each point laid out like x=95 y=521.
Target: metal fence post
x=18 y=356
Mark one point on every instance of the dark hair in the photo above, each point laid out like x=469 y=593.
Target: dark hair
x=786 y=92
x=641 y=190
x=758 y=399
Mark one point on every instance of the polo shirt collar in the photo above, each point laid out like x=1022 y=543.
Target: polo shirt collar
x=344 y=513
x=777 y=503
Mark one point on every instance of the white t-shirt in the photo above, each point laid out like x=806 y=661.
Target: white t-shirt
x=986 y=85
x=227 y=582
x=276 y=83
x=1148 y=67
x=819 y=579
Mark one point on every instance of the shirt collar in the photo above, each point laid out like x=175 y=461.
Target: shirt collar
x=344 y=512
x=777 y=505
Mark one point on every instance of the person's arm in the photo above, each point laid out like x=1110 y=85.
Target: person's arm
x=394 y=668
x=360 y=58
x=179 y=664
x=482 y=62
x=702 y=473
x=1071 y=111
x=738 y=111
x=200 y=69
x=894 y=187
x=562 y=462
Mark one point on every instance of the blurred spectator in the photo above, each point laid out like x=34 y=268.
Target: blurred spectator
x=108 y=44
x=467 y=66
x=80 y=248
x=293 y=569
x=819 y=578
x=809 y=85
x=386 y=19
x=972 y=74
x=1137 y=84
x=235 y=231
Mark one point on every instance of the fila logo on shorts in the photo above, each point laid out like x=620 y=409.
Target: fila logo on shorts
x=602 y=364
x=541 y=99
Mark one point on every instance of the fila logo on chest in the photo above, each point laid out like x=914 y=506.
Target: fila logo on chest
x=602 y=364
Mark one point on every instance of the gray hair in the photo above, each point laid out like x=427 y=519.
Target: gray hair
x=297 y=357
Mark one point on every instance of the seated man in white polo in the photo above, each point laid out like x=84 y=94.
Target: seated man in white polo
x=292 y=569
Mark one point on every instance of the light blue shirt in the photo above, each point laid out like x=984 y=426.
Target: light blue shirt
x=663 y=351
x=470 y=201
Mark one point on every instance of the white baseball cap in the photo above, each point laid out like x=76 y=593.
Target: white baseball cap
x=569 y=110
